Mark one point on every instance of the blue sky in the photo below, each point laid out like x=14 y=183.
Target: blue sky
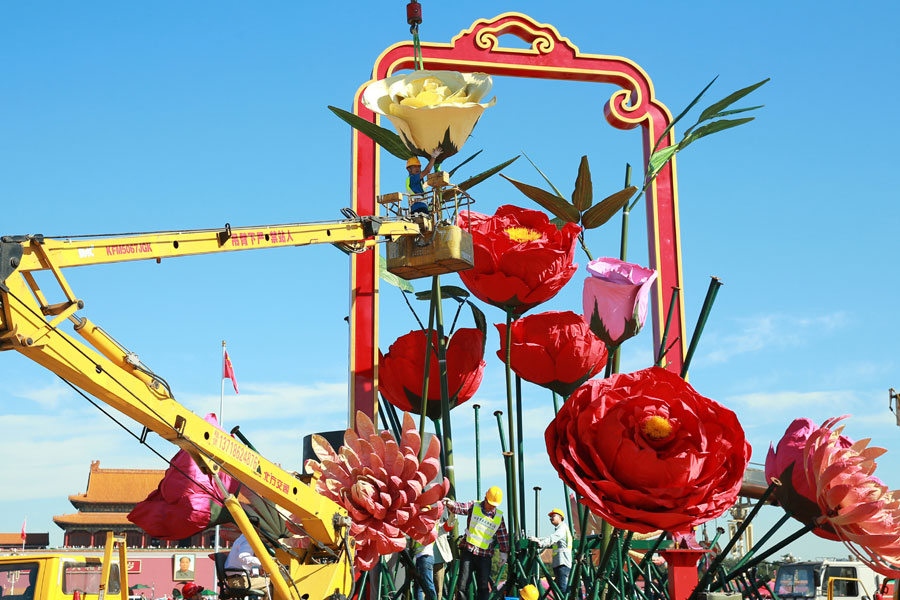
x=120 y=117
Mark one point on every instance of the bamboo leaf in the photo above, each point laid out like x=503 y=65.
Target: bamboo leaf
x=604 y=211
x=550 y=183
x=480 y=322
x=447 y=291
x=712 y=111
x=473 y=181
x=456 y=168
x=659 y=159
x=392 y=279
x=560 y=223
x=682 y=113
x=711 y=128
x=385 y=138
x=583 y=196
x=555 y=204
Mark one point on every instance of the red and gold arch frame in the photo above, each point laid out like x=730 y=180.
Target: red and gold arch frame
x=551 y=56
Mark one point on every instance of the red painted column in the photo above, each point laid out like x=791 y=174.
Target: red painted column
x=683 y=576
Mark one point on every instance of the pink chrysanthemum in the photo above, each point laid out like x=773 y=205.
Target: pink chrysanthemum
x=383 y=485
x=863 y=512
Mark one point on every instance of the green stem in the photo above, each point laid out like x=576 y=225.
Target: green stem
x=513 y=504
x=429 y=344
x=711 y=292
x=584 y=246
x=477 y=454
x=565 y=487
x=445 y=392
x=521 y=450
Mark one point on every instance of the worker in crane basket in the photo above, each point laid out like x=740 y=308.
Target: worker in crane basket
x=485 y=530
x=415 y=182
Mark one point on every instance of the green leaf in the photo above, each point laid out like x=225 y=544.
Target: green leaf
x=560 y=223
x=583 y=196
x=390 y=278
x=555 y=204
x=604 y=211
x=712 y=111
x=385 y=138
x=447 y=291
x=480 y=322
x=725 y=113
x=473 y=181
x=455 y=169
x=550 y=183
x=682 y=113
x=659 y=159
x=710 y=128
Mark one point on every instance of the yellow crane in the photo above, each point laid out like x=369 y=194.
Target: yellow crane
x=96 y=363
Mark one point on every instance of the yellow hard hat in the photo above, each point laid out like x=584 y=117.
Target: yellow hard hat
x=529 y=592
x=413 y=162
x=494 y=496
x=556 y=511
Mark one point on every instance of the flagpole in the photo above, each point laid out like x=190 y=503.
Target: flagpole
x=221 y=417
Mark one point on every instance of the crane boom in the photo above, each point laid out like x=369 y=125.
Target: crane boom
x=99 y=365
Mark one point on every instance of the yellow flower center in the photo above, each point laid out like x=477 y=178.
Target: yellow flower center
x=523 y=234
x=656 y=428
x=431 y=91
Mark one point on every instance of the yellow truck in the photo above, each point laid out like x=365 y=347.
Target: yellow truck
x=54 y=576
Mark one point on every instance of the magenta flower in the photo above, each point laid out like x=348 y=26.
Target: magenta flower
x=382 y=484
x=863 y=512
x=615 y=299
x=786 y=464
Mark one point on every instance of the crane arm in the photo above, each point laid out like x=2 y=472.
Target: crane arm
x=40 y=253
x=96 y=363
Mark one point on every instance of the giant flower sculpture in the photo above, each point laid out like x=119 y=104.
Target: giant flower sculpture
x=646 y=451
x=387 y=491
x=521 y=258
x=615 y=299
x=431 y=110
x=186 y=501
x=863 y=512
x=555 y=350
x=401 y=369
x=785 y=463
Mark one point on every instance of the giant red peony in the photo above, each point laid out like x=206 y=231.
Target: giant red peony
x=401 y=370
x=521 y=258
x=556 y=350
x=646 y=451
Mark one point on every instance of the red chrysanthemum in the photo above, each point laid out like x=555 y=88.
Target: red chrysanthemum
x=556 y=350
x=402 y=368
x=521 y=258
x=646 y=451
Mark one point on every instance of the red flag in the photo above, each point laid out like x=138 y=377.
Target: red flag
x=23 y=529
x=228 y=372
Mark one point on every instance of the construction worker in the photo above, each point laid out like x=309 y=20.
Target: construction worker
x=529 y=592
x=415 y=181
x=561 y=543
x=485 y=530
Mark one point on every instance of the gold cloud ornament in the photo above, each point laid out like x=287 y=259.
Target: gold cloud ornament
x=431 y=110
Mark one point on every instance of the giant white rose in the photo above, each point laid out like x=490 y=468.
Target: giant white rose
x=431 y=110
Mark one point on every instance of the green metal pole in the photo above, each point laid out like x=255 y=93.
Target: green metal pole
x=665 y=334
x=510 y=416
x=521 y=452
x=711 y=292
x=445 y=392
x=503 y=446
x=565 y=487
x=537 y=510
x=429 y=344
x=477 y=454
x=511 y=493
